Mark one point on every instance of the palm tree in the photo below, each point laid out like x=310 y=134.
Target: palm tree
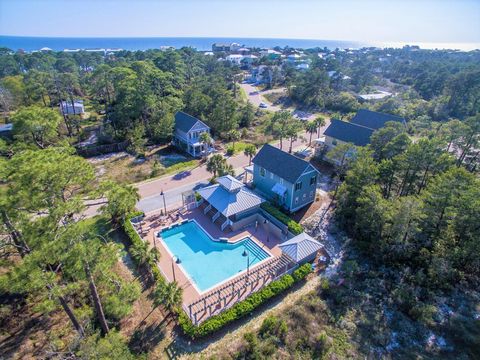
x=169 y=295
x=215 y=164
x=311 y=128
x=292 y=134
x=250 y=151
x=281 y=121
x=205 y=139
x=319 y=121
x=234 y=136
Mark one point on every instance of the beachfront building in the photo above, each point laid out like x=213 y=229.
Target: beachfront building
x=271 y=54
x=229 y=203
x=288 y=181
x=220 y=47
x=187 y=132
x=77 y=108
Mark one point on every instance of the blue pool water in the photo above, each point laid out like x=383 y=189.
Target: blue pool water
x=208 y=262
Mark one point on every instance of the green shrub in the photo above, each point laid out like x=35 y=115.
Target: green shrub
x=237 y=311
x=294 y=227
x=302 y=272
x=198 y=197
x=137 y=243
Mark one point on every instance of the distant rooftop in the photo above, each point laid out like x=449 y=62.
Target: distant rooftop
x=374 y=120
x=6 y=127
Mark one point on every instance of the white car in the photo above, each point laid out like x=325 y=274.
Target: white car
x=263 y=105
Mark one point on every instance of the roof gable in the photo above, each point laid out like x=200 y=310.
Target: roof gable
x=186 y=122
x=348 y=132
x=374 y=120
x=281 y=163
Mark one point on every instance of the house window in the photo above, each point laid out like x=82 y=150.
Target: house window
x=296 y=199
x=262 y=172
x=304 y=196
x=313 y=180
x=298 y=186
x=334 y=142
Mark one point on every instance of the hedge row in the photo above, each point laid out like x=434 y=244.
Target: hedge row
x=244 y=307
x=294 y=227
x=137 y=241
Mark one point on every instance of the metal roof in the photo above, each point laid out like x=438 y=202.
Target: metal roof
x=230 y=202
x=229 y=183
x=281 y=163
x=300 y=247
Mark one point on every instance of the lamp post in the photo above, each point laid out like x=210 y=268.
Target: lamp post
x=164 y=203
x=246 y=254
x=268 y=230
x=177 y=261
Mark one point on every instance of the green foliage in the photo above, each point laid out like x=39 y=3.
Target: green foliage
x=36 y=126
x=112 y=346
x=121 y=200
x=237 y=311
x=302 y=272
x=218 y=166
x=294 y=227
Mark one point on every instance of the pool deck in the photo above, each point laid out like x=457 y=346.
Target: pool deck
x=153 y=224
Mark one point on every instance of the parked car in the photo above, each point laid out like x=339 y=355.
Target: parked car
x=263 y=105
x=254 y=93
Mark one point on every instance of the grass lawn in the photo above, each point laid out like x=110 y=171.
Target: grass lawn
x=239 y=147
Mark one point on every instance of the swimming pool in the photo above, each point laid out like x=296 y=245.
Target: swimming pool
x=209 y=262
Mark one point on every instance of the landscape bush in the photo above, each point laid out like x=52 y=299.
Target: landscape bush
x=294 y=227
x=302 y=272
x=244 y=307
x=137 y=242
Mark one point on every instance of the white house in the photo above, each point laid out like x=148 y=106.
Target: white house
x=77 y=108
x=187 y=132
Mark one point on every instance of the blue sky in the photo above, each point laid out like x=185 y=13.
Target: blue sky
x=368 y=20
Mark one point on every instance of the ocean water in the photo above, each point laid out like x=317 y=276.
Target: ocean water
x=144 y=43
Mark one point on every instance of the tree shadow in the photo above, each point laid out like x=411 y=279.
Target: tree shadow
x=147 y=338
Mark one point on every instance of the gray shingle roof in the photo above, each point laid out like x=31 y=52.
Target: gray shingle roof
x=281 y=163
x=300 y=247
x=185 y=122
x=374 y=120
x=227 y=202
x=348 y=132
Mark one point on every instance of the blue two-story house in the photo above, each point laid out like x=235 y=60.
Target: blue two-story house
x=187 y=133
x=283 y=178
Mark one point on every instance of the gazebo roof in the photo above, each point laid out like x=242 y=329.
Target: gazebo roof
x=230 y=196
x=300 y=247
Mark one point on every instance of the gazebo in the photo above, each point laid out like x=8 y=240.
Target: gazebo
x=229 y=201
x=301 y=248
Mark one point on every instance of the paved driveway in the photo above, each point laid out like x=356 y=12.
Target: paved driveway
x=257 y=97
